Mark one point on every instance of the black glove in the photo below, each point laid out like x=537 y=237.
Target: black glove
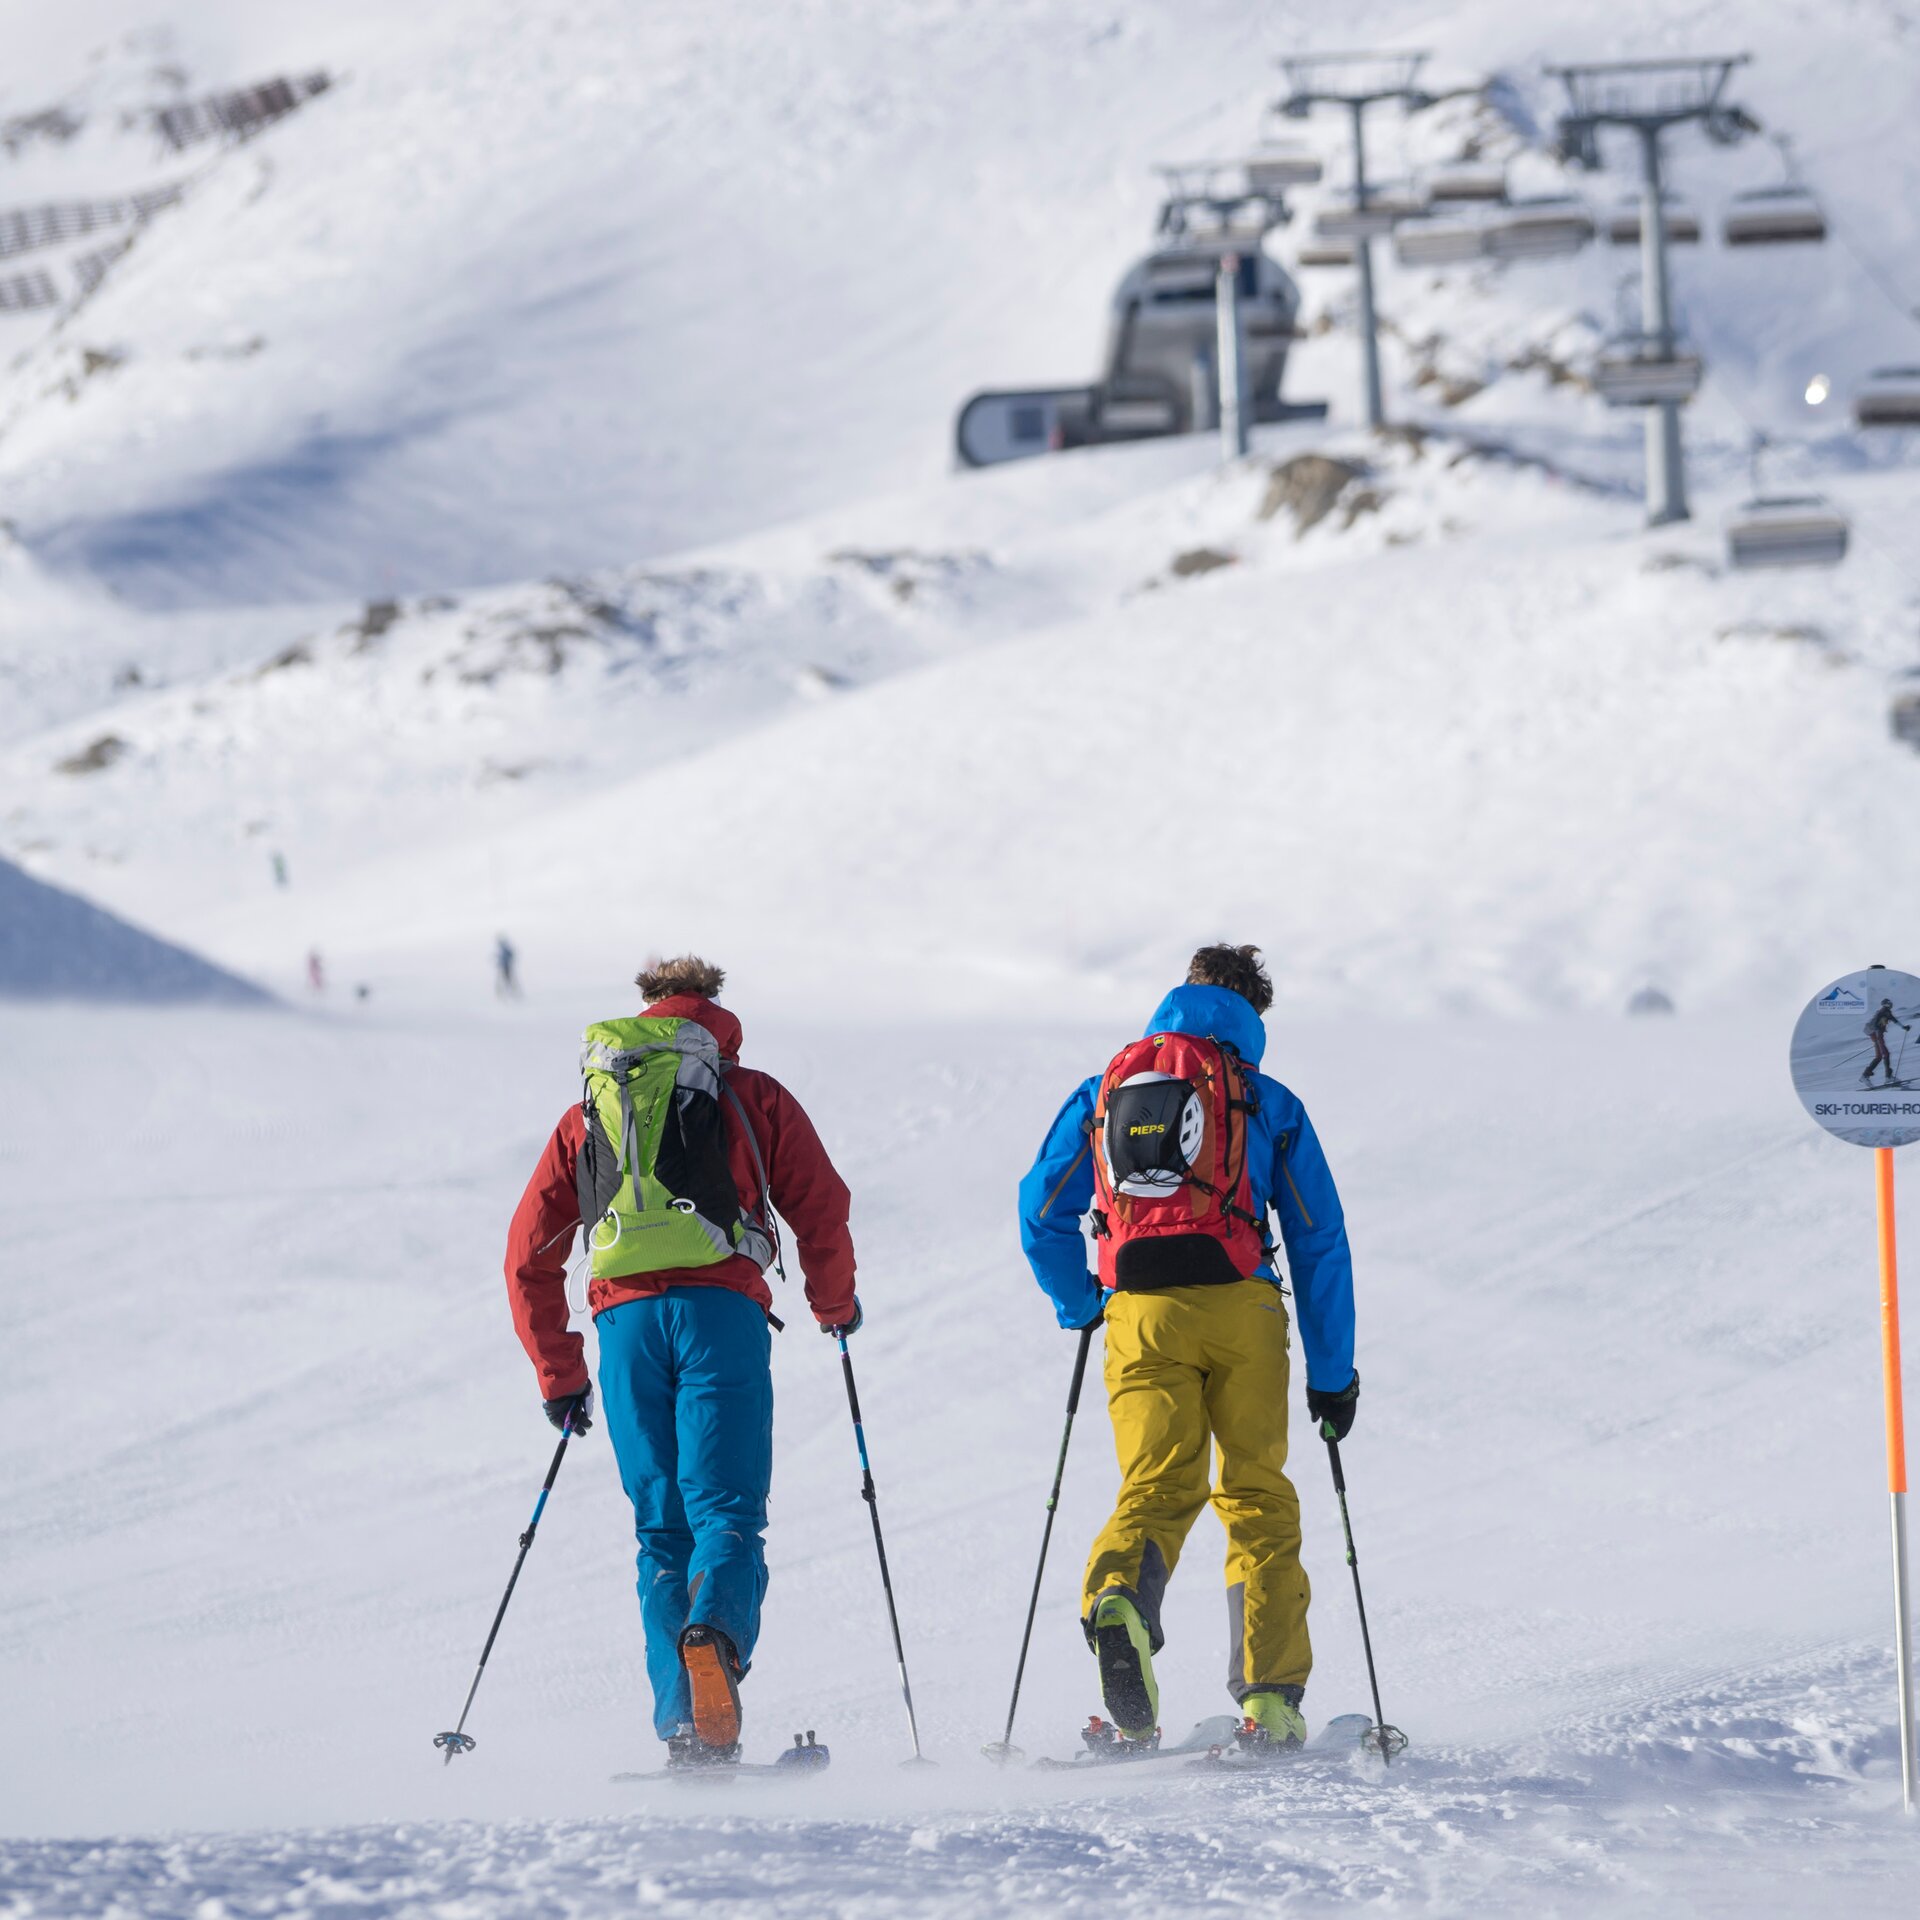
x=580 y=1405
x=848 y=1328
x=1099 y=1314
x=1335 y=1410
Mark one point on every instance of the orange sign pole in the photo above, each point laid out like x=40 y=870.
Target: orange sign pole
x=1896 y=1461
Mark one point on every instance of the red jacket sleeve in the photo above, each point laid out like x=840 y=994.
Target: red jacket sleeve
x=539 y=1244
x=814 y=1202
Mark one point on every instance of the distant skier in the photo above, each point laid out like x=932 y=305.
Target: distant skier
x=505 y=986
x=316 y=972
x=1876 y=1031
x=279 y=869
x=674 y=1156
x=1176 y=1153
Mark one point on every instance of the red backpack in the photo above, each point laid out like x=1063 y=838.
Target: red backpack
x=1173 y=1200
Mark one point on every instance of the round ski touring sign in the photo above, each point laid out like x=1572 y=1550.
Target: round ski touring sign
x=1855 y=1058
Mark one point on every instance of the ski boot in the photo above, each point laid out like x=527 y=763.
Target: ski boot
x=1125 y=1651
x=713 y=1686
x=1274 y=1723
x=688 y=1753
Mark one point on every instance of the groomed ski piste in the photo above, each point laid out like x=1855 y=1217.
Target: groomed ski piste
x=521 y=580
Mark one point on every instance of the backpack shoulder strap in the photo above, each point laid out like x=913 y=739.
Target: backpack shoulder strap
x=767 y=1220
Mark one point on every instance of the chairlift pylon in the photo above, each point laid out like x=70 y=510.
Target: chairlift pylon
x=1889 y=397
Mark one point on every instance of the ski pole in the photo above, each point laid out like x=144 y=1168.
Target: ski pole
x=1386 y=1741
x=460 y=1740
x=1003 y=1749
x=872 y=1498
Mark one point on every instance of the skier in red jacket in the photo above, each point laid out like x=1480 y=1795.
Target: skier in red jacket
x=685 y=1380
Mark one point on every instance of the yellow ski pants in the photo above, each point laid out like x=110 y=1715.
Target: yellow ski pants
x=1186 y=1366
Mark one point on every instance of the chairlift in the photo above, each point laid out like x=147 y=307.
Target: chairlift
x=1440 y=241
x=1773 y=217
x=1786 y=530
x=1776 y=216
x=1343 y=220
x=1159 y=374
x=1273 y=167
x=1325 y=253
x=1540 y=229
x=1466 y=180
x=1218 y=200
x=1889 y=398
x=996 y=427
x=1681 y=223
x=1638 y=371
x=1404 y=199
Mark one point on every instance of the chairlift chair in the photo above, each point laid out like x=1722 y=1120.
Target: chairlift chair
x=1325 y=253
x=1404 y=199
x=1636 y=371
x=1786 y=530
x=1889 y=398
x=1773 y=217
x=1466 y=180
x=1342 y=220
x=1540 y=229
x=1440 y=241
x=1682 y=224
x=1273 y=167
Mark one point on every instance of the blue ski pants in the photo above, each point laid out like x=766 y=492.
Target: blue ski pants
x=686 y=1389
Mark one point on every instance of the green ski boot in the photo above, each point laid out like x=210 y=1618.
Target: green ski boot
x=1126 y=1666
x=1273 y=1720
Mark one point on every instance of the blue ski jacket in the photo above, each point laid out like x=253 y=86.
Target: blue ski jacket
x=1288 y=1171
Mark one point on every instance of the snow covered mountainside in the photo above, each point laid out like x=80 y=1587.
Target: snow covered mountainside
x=509 y=493
x=54 y=946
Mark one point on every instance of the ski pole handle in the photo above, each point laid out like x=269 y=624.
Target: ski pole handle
x=1079 y=1371
x=1333 y=1454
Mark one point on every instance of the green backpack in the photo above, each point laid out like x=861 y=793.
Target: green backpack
x=655 y=1188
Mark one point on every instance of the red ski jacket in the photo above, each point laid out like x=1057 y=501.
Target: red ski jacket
x=810 y=1196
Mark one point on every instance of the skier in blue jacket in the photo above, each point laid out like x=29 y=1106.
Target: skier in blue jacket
x=1201 y=1364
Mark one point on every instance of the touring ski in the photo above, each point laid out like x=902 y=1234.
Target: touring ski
x=1217 y=1744
x=806 y=1756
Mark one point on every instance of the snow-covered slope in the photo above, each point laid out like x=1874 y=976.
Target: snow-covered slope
x=566 y=285
x=56 y=946
x=1491 y=746
x=1615 y=1486
x=512 y=490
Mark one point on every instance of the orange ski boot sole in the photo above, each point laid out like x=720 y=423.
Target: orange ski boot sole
x=711 y=1686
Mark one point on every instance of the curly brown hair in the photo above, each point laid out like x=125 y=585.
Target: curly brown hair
x=684 y=973
x=1237 y=968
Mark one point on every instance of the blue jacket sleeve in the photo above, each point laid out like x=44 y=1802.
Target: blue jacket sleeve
x=1314 y=1230
x=1057 y=1190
